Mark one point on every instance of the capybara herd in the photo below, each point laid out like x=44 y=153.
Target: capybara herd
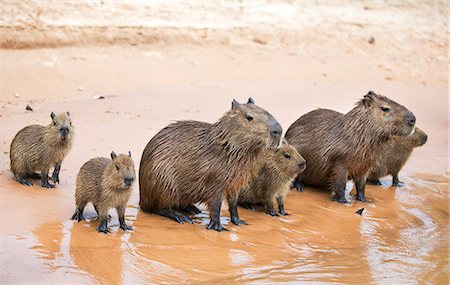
x=241 y=158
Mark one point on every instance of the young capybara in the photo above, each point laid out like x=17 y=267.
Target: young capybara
x=38 y=148
x=106 y=183
x=337 y=146
x=278 y=169
x=394 y=154
x=189 y=162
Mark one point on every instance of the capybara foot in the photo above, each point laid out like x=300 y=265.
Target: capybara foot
x=361 y=198
x=177 y=217
x=272 y=213
x=283 y=213
x=340 y=199
x=237 y=221
x=55 y=177
x=398 y=184
x=23 y=181
x=103 y=227
x=77 y=216
x=246 y=205
x=216 y=226
x=34 y=175
x=126 y=227
x=47 y=185
x=373 y=182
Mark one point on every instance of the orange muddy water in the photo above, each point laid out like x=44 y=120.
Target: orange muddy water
x=402 y=236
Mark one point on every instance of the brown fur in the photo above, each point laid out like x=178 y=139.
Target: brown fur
x=278 y=169
x=337 y=146
x=38 y=148
x=190 y=162
x=394 y=154
x=103 y=182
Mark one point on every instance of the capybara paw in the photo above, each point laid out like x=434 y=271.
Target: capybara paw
x=398 y=184
x=192 y=209
x=102 y=229
x=272 y=213
x=299 y=187
x=373 y=182
x=25 y=182
x=248 y=206
x=283 y=213
x=340 y=199
x=55 y=178
x=216 y=226
x=35 y=175
x=77 y=216
x=361 y=198
x=48 y=185
x=126 y=227
x=238 y=221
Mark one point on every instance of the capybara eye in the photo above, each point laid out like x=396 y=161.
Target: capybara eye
x=385 y=109
x=249 y=118
x=117 y=167
x=287 y=155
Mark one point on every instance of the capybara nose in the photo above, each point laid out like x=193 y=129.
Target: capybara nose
x=411 y=118
x=424 y=139
x=128 y=181
x=276 y=130
x=302 y=165
x=64 y=132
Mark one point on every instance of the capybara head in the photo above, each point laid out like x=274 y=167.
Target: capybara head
x=62 y=125
x=288 y=160
x=248 y=124
x=393 y=117
x=418 y=138
x=120 y=172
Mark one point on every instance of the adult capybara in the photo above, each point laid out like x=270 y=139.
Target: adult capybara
x=38 y=148
x=337 y=146
x=189 y=162
x=394 y=154
x=106 y=183
x=277 y=170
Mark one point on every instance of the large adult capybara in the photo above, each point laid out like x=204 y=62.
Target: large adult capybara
x=38 y=148
x=337 y=146
x=189 y=162
x=277 y=170
x=106 y=183
x=393 y=156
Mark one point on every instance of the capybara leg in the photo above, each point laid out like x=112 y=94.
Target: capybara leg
x=214 y=207
x=55 y=175
x=78 y=215
x=360 y=187
x=270 y=208
x=246 y=205
x=121 y=214
x=280 y=200
x=44 y=180
x=340 y=182
x=232 y=206
x=171 y=214
x=103 y=227
x=396 y=182
x=297 y=184
x=373 y=182
x=34 y=175
x=22 y=181
x=96 y=209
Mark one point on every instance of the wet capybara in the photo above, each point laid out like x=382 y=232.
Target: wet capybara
x=106 y=183
x=337 y=146
x=394 y=154
x=189 y=162
x=38 y=148
x=277 y=170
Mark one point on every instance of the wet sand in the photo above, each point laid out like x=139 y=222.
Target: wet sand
x=402 y=236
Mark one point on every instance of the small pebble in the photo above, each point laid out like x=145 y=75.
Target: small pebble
x=28 y=108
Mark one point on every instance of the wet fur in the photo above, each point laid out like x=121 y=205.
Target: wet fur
x=394 y=154
x=337 y=146
x=274 y=178
x=190 y=162
x=38 y=148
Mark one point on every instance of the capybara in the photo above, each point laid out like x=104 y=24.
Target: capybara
x=338 y=146
x=189 y=162
x=278 y=169
x=394 y=154
x=38 y=148
x=106 y=183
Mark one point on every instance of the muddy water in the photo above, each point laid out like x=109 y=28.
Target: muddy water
x=401 y=237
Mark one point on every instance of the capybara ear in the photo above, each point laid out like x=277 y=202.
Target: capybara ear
x=113 y=155
x=251 y=101
x=53 y=115
x=129 y=153
x=68 y=113
x=369 y=98
x=235 y=104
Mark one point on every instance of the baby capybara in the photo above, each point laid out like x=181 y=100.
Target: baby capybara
x=106 y=183
x=337 y=146
x=394 y=154
x=278 y=169
x=189 y=162
x=38 y=148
